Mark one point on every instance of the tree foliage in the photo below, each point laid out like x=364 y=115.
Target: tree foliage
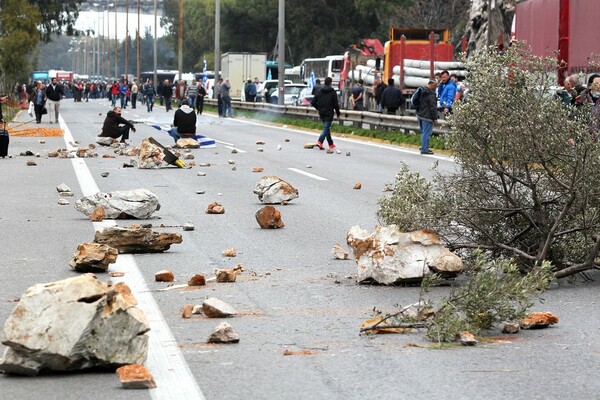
x=58 y=17
x=526 y=182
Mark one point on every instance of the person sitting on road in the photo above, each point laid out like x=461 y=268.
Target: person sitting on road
x=116 y=126
x=184 y=122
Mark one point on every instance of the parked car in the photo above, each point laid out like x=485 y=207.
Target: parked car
x=304 y=101
x=265 y=89
x=291 y=94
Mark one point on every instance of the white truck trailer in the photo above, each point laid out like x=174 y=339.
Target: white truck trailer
x=239 y=67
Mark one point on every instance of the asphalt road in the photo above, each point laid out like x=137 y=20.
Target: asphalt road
x=292 y=296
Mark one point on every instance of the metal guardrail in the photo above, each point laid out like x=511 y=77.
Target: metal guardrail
x=373 y=120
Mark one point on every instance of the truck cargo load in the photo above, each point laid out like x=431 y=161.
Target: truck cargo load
x=239 y=67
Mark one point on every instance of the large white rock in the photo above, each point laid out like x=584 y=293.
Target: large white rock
x=389 y=256
x=272 y=189
x=138 y=203
x=74 y=324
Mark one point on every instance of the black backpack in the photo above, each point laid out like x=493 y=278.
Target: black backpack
x=416 y=98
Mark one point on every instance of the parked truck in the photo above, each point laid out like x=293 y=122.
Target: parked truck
x=239 y=67
x=565 y=28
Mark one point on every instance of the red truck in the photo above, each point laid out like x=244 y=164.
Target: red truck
x=567 y=28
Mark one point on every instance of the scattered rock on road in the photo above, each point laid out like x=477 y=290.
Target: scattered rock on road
x=467 y=338
x=93 y=257
x=137 y=239
x=269 y=217
x=226 y=275
x=229 y=252
x=510 y=327
x=74 y=324
x=63 y=202
x=215 y=308
x=257 y=169
x=224 y=333
x=197 y=280
x=538 y=320
x=357 y=185
x=135 y=376
x=272 y=189
x=188 y=226
x=339 y=253
x=215 y=208
x=164 y=275
x=188 y=143
x=138 y=203
x=388 y=256
x=187 y=311
x=98 y=215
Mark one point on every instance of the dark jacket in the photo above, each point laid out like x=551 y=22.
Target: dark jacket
x=111 y=125
x=427 y=109
x=54 y=93
x=379 y=91
x=392 y=98
x=185 y=121
x=326 y=102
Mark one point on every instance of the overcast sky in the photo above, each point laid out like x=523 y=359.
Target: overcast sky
x=98 y=21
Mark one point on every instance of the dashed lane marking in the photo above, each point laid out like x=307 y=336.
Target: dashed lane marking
x=317 y=177
x=174 y=378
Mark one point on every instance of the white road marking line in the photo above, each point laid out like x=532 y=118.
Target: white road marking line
x=317 y=177
x=166 y=362
x=233 y=148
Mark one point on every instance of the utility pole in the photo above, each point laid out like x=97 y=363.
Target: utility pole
x=138 y=39
x=116 y=46
x=127 y=39
x=180 y=44
x=217 y=45
x=281 y=52
x=155 y=34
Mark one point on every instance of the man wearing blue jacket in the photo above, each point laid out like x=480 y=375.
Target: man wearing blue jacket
x=447 y=93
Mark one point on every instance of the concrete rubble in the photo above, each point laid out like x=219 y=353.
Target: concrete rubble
x=197 y=280
x=466 y=338
x=138 y=203
x=268 y=217
x=357 y=186
x=229 y=252
x=104 y=141
x=137 y=239
x=98 y=215
x=93 y=257
x=215 y=308
x=135 y=376
x=74 y=324
x=272 y=189
x=538 y=320
x=187 y=311
x=224 y=333
x=388 y=256
x=339 y=253
x=226 y=275
x=64 y=190
x=188 y=144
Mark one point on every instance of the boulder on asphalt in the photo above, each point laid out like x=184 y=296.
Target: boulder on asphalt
x=150 y=155
x=388 y=256
x=214 y=208
x=98 y=215
x=93 y=257
x=188 y=143
x=215 y=308
x=135 y=376
x=226 y=275
x=538 y=320
x=74 y=324
x=272 y=189
x=164 y=275
x=197 y=280
x=137 y=239
x=138 y=203
x=224 y=333
x=269 y=217
x=466 y=338
x=104 y=141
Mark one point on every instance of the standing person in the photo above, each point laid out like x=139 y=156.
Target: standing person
x=134 y=94
x=149 y=93
x=192 y=94
x=226 y=98
x=217 y=89
x=167 y=93
x=18 y=89
x=159 y=91
x=184 y=122
x=54 y=92
x=447 y=93
x=114 y=93
x=38 y=97
x=116 y=126
x=427 y=114
x=392 y=98
x=357 y=98
x=200 y=100
x=326 y=102
x=250 y=92
x=316 y=88
x=378 y=92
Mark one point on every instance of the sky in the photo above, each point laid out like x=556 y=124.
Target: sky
x=99 y=20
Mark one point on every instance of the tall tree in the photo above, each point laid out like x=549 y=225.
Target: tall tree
x=58 y=16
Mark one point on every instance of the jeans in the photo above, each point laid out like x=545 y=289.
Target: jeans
x=227 y=106
x=149 y=102
x=326 y=134
x=133 y=99
x=175 y=135
x=124 y=130
x=426 y=131
x=167 y=103
x=192 y=100
x=123 y=103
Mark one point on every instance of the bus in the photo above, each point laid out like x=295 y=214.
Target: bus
x=330 y=66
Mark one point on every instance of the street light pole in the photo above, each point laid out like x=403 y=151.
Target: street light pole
x=116 y=46
x=138 y=38
x=127 y=39
x=281 y=52
x=155 y=34
x=180 y=44
x=217 y=45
